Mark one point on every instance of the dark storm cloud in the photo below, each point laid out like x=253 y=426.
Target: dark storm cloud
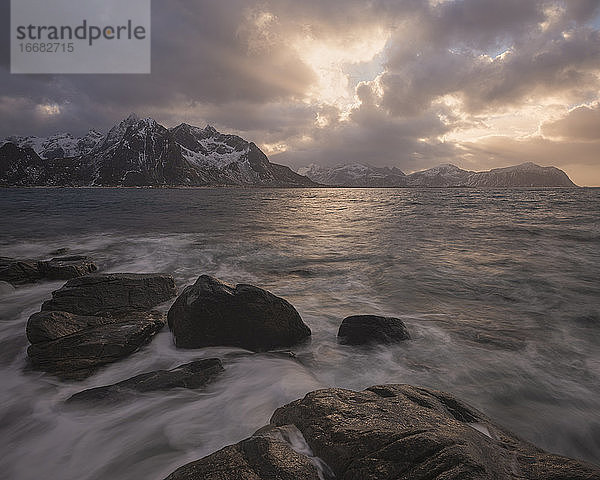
x=200 y=54
x=537 y=61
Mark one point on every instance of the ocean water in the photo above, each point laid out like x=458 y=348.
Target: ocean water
x=500 y=290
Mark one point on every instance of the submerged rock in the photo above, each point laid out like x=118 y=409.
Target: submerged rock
x=20 y=272
x=191 y=375
x=211 y=313
x=64 y=268
x=364 y=329
x=95 y=320
x=112 y=293
x=403 y=432
x=78 y=355
x=268 y=455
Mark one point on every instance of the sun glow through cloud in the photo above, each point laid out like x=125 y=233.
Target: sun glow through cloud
x=333 y=60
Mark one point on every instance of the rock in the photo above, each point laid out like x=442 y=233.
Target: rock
x=267 y=455
x=19 y=272
x=211 y=313
x=64 y=268
x=78 y=355
x=403 y=432
x=95 y=320
x=191 y=375
x=6 y=288
x=112 y=294
x=363 y=329
x=47 y=326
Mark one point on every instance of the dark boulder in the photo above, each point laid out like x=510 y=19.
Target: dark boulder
x=402 y=432
x=191 y=375
x=365 y=329
x=78 y=355
x=112 y=294
x=211 y=313
x=64 y=268
x=267 y=455
x=19 y=272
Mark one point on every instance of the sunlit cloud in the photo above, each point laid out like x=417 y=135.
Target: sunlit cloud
x=331 y=58
x=411 y=84
x=49 y=109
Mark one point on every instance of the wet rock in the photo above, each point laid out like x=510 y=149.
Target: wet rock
x=267 y=455
x=78 y=355
x=365 y=329
x=19 y=272
x=47 y=326
x=95 y=320
x=211 y=313
x=404 y=432
x=112 y=294
x=191 y=375
x=64 y=268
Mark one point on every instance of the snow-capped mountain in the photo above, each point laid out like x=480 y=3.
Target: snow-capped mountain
x=445 y=175
x=141 y=152
x=524 y=175
x=355 y=175
x=59 y=146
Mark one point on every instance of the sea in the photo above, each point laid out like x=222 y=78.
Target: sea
x=499 y=288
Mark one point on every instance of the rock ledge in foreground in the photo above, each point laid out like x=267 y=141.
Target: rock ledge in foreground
x=391 y=432
x=270 y=454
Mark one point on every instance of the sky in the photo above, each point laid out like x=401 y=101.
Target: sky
x=405 y=83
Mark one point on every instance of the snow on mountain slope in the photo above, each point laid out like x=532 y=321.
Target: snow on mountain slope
x=58 y=146
x=524 y=175
x=445 y=175
x=355 y=175
x=141 y=152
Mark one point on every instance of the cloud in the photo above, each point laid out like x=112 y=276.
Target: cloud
x=580 y=124
x=410 y=83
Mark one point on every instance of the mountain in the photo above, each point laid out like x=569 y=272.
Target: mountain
x=445 y=175
x=524 y=175
x=58 y=146
x=356 y=175
x=141 y=152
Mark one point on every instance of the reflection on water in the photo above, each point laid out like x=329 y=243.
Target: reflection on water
x=499 y=289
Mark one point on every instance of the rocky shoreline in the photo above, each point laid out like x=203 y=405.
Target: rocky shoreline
x=383 y=432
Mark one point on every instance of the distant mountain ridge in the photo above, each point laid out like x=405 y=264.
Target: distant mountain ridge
x=445 y=175
x=141 y=152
